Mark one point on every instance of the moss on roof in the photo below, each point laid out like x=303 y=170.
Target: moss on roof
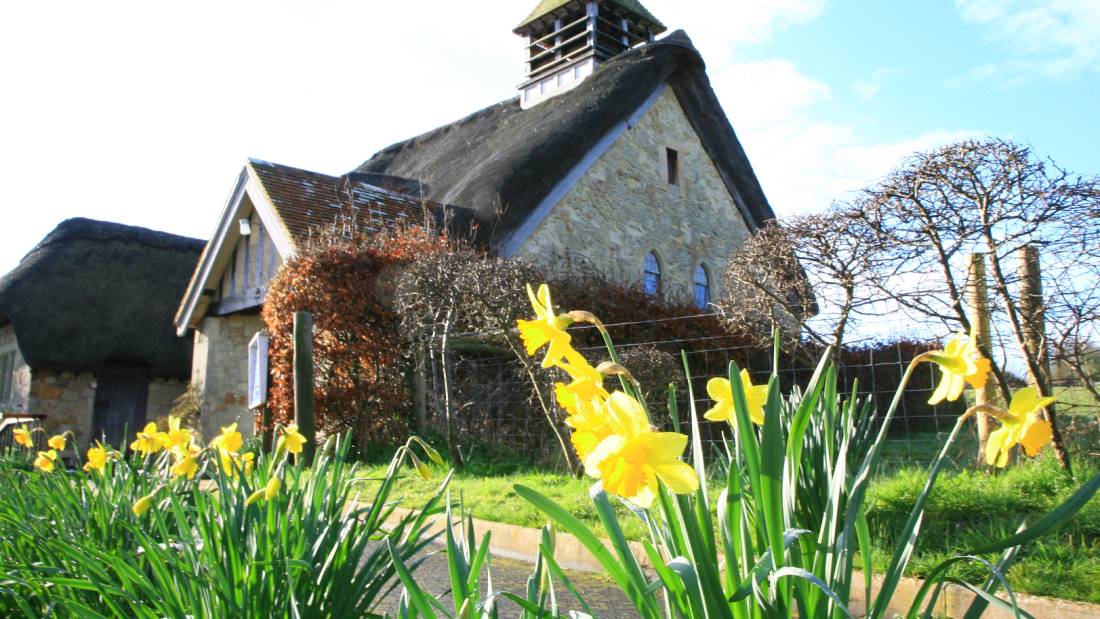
x=93 y=293
x=634 y=6
x=502 y=161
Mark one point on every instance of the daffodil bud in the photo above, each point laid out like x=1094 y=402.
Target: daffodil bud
x=144 y=504
x=271 y=490
x=583 y=316
x=421 y=469
x=608 y=368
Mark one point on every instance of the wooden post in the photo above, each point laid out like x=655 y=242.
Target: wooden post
x=303 y=381
x=1034 y=328
x=267 y=432
x=977 y=294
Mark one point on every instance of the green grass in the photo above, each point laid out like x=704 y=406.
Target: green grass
x=967 y=508
x=486 y=490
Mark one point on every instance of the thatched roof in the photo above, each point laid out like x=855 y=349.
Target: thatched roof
x=93 y=293
x=503 y=160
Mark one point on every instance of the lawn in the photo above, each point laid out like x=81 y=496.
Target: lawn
x=967 y=508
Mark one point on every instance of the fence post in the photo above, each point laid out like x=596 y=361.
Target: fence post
x=303 y=381
x=1034 y=328
x=977 y=294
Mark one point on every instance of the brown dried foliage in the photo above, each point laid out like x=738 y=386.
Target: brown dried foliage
x=348 y=284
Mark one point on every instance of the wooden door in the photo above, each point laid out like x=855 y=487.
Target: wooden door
x=121 y=398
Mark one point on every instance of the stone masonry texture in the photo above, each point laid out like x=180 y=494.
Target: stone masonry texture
x=624 y=207
x=220 y=371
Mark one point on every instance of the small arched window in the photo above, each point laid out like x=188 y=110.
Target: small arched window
x=651 y=275
x=702 y=287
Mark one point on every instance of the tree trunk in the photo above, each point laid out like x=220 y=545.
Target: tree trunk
x=978 y=297
x=420 y=389
x=1034 y=334
x=448 y=410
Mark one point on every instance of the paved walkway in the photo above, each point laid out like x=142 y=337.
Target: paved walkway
x=602 y=595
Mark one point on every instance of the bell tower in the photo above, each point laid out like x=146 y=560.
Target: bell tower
x=568 y=39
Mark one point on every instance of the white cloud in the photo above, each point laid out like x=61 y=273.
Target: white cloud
x=869 y=86
x=766 y=93
x=1049 y=38
x=803 y=162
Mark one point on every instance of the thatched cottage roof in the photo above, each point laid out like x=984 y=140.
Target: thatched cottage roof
x=503 y=160
x=93 y=293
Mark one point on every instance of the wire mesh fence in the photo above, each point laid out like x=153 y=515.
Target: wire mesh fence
x=494 y=401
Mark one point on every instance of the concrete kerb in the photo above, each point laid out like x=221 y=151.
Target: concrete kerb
x=521 y=543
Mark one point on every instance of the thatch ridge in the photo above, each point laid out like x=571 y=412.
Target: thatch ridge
x=502 y=161
x=95 y=293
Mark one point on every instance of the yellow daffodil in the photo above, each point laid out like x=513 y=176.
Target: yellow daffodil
x=230 y=440
x=22 y=436
x=148 y=441
x=721 y=391
x=578 y=395
x=57 y=442
x=186 y=466
x=1020 y=425
x=144 y=504
x=268 y=492
x=632 y=459
x=175 y=439
x=590 y=425
x=547 y=328
x=961 y=363
x=46 y=461
x=97 y=458
x=292 y=440
x=247 y=460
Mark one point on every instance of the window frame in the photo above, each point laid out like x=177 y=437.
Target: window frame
x=656 y=273
x=706 y=285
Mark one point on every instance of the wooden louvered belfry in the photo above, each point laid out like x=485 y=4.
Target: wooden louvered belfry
x=568 y=39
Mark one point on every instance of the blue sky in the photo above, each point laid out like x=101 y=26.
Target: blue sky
x=897 y=69
x=143 y=112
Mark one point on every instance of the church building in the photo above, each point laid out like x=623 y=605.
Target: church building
x=614 y=152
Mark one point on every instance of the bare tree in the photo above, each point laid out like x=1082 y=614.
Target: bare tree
x=808 y=276
x=989 y=196
x=465 y=299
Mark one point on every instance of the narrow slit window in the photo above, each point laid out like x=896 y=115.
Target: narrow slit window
x=651 y=275
x=672 y=157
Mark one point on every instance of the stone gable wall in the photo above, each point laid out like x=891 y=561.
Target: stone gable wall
x=21 y=373
x=220 y=371
x=623 y=207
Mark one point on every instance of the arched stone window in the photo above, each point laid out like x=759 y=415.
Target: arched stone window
x=702 y=287
x=651 y=275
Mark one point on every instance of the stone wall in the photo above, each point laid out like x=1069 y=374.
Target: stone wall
x=625 y=207
x=220 y=371
x=21 y=373
x=162 y=394
x=67 y=399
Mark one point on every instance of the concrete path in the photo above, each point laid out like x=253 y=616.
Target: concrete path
x=602 y=595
